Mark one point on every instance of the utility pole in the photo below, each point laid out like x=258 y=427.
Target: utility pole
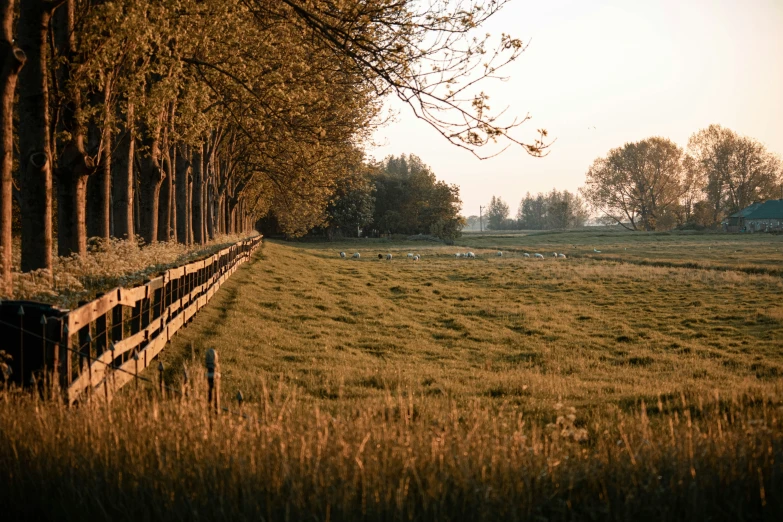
x=481 y=223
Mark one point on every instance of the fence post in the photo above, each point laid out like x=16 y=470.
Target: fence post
x=101 y=331
x=111 y=369
x=136 y=368
x=213 y=379
x=145 y=306
x=160 y=381
x=117 y=325
x=56 y=373
x=45 y=369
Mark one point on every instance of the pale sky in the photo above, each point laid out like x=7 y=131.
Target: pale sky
x=630 y=68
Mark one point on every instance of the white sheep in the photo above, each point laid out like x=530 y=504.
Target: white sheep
x=561 y=256
x=356 y=255
x=526 y=254
x=539 y=256
x=415 y=258
x=458 y=254
x=342 y=254
x=500 y=254
x=410 y=255
x=470 y=255
x=388 y=257
x=596 y=250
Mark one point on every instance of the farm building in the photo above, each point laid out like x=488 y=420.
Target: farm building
x=758 y=217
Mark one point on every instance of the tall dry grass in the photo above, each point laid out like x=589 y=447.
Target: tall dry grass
x=397 y=458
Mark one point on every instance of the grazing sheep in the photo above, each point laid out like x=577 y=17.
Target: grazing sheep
x=380 y=256
x=561 y=256
x=539 y=256
x=342 y=254
x=596 y=251
x=410 y=255
x=500 y=254
x=470 y=255
x=356 y=255
x=458 y=254
x=554 y=254
x=415 y=258
x=526 y=254
x=388 y=257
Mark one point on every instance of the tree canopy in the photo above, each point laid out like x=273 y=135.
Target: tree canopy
x=554 y=210
x=409 y=199
x=497 y=213
x=636 y=184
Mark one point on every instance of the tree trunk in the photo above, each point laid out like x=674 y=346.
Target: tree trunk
x=99 y=185
x=164 y=205
x=190 y=206
x=35 y=156
x=221 y=213
x=183 y=207
x=122 y=183
x=150 y=177
x=99 y=209
x=136 y=206
x=210 y=207
x=74 y=165
x=173 y=194
x=13 y=60
x=149 y=192
x=198 y=196
x=93 y=208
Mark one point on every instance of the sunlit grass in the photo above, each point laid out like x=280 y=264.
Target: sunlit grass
x=499 y=388
x=511 y=328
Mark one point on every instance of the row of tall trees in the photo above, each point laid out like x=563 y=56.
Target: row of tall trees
x=654 y=184
x=183 y=119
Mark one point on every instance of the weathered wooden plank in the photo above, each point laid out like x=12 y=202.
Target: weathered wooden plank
x=126 y=372
x=83 y=381
x=193 y=267
x=175 y=273
x=89 y=312
x=191 y=310
x=174 y=325
x=155 y=284
x=131 y=296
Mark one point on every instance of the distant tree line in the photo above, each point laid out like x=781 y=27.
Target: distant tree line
x=555 y=210
x=399 y=195
x=653 y=184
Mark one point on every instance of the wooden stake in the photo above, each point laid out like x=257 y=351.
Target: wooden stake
x=213 y=379
x=160 y=381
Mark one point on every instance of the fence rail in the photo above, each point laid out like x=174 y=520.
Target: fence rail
x=103 y=344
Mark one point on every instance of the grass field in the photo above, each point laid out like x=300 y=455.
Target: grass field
x=641 y=382
x=532 y=332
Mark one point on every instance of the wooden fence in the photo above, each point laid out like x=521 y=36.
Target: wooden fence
x=104 y=344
